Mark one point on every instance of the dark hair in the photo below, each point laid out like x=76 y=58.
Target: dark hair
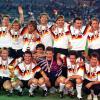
x=77 y=18
x=6 y=16
x=81 y=57
x=33 y=23
x=49 y=49
x=4 y=48
x=40 y=45
x=73 y=53
x=28 y=52
x=60 y=16
x=95 y=55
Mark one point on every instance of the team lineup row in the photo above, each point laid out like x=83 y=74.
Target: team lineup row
x=41 y=69
x=60 y=35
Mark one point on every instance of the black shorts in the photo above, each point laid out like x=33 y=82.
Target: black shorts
x=15 y=54
x=2 y=80
x=38 y=75
x=95 y=87
x=64 y=71
x=94 y=50
x=78 y=53
x=61 y=51
x=85 y=82
x=52 y=78
x=73 y=81
x=50 y=75
x=25 y=83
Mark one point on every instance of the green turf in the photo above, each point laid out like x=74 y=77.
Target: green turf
x=3 y=96
x=38 y=97
x=50 y=97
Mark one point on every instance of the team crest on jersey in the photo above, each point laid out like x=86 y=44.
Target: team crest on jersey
x=92 y=37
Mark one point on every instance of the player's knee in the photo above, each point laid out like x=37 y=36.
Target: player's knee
x=34 y=81
x=68 y=85
x=41 y=81
x=20 y=83
x=61 y=79
x=79 y=81
x=7 y=85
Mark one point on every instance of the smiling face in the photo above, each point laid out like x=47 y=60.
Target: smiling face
x=72 y=59
x=93 y=61
x=43 y=19
x=78 y=24
x=31 y=28
x=95 y=24
x=49 y=55
x=4 y=54
x=39 y=50
x=60 y=22
x=27 y=58
x=5 y=21
x=16 y=26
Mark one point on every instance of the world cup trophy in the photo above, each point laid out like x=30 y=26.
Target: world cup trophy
x=13 y=82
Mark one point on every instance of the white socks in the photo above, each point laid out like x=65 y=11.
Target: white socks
x=43 y=86
x=61 y=87
x=32 y=88
x=79 y=90
x=18 y=88
x=11 y=91
x=95 y=97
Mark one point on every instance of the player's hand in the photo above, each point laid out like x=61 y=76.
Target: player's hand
x=20 y=10
x=59 y=62
x=89 y=85
x=54 y=27
x=66 y=80
x=46 y=79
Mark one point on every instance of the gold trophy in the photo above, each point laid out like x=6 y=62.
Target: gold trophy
x=14 y=82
